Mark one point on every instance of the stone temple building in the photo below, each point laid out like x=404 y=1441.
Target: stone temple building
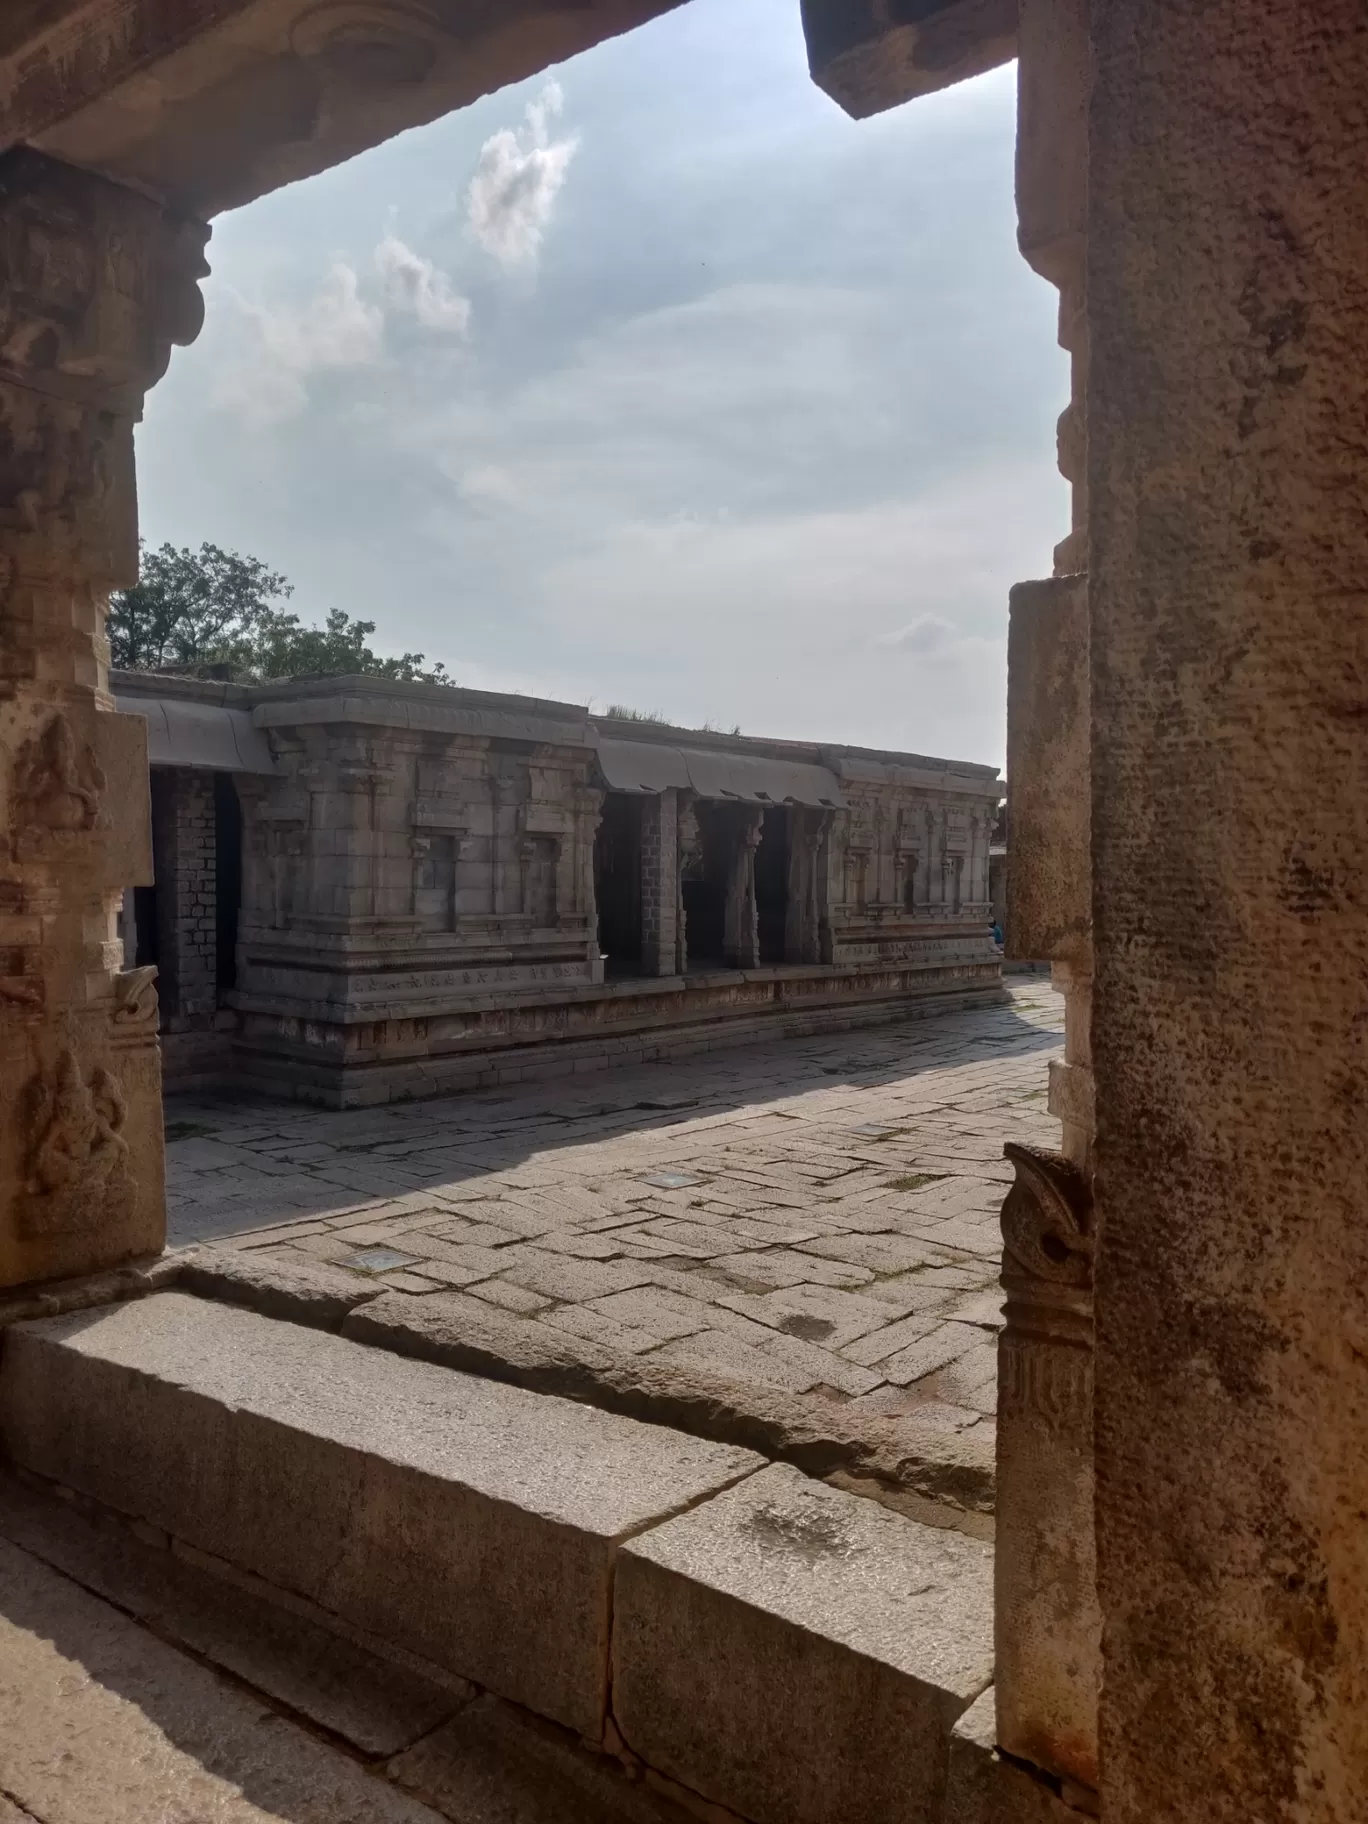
x=366 y=890
x=1177 y=1624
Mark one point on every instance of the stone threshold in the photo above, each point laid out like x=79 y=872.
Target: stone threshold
x=940 y=1478
x=742 y=1639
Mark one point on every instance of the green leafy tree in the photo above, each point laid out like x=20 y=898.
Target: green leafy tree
x=216 y=613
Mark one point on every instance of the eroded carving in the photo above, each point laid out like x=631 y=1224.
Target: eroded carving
x=135 y=998
x=77 y=1176
x=1045 y=1354
x=57 y=784
x=1047 y=1219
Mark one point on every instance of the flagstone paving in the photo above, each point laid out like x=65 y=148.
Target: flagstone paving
x=816 y=1214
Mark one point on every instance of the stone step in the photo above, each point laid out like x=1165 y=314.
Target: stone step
x=471 y=1522
x=788 y=1651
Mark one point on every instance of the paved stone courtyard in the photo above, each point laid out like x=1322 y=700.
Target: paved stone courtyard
x=818 y=1214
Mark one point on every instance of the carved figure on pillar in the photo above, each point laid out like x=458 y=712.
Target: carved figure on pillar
x=96 y=285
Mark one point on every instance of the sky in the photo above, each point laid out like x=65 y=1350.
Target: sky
x=655 y=380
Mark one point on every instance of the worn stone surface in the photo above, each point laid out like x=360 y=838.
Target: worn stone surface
x=493 y=1764
x=984 y=1788
x=799 y=1654
x=1230 y=833
x=304 y=1292
x=469 y=1521
x=761 y=1209
x=894 y=1457
x=379 y=1707
x=102 y=1723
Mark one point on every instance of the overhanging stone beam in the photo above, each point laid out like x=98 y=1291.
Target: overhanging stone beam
x=210 y=103
x=870 y=55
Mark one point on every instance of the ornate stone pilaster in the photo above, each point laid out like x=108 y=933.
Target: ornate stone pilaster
x=1047 y=1621
x=96 y=284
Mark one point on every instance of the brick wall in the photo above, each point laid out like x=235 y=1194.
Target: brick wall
x=184 y=858
x=659 y=882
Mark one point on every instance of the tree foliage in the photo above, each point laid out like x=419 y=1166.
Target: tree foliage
x=216 y=613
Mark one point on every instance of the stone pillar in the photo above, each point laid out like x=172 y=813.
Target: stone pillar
x=588 y=816
x=688 y=860
x=96 y=284
x=660 y=882
x=185 y=865
x=1228 y=466
x=1047 y=1617
x=808 y=832
x=742 y=937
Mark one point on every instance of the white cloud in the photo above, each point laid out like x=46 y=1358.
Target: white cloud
x=417 y=286
x=517 y=181
x=287 y=343
x=927 y=635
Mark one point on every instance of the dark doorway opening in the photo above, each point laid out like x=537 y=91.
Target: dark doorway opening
x=705 y=893
x=772 y=884
x=227 y=879
x=617 y=883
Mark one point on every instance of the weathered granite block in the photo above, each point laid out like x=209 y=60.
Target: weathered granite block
x=471 y=1522
x=799 y=1654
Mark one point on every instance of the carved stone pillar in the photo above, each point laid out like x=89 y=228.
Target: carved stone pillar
x=743 y=924
x=809 y=831
x=1047 y=1622
x=96 y=284
x=1048 y=1627
x=689 y=867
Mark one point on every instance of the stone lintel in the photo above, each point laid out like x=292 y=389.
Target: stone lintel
x=210 y=103
x=870 y=55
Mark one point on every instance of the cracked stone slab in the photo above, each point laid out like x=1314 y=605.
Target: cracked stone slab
x=800 y=1655
x=468 y=1521
x=495 y=1765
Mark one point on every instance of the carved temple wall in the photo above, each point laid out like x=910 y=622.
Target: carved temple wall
x=418 y=905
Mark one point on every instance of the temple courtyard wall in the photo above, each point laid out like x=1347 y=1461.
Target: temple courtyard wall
x=366 y=892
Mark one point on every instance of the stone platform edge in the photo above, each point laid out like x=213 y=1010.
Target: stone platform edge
x=943 y=1479
x=672 y=1024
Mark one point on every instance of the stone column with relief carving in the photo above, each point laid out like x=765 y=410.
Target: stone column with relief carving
x=1047 y=1616
x=96 y=285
